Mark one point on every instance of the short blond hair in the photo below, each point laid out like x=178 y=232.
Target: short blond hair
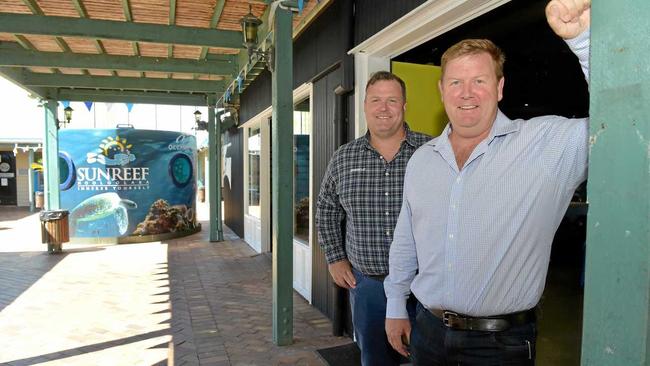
x=474 y=47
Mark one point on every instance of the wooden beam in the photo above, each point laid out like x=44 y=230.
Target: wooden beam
x=110 y=29
x=126 y=7
x=172 y=21
x=16 y=75
x=126 y=83
x=79 y=6
x=28 y=58
x=33 y=7
x=216 y=15
x=110 y=96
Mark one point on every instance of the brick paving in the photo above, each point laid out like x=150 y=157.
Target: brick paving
x=179 y=302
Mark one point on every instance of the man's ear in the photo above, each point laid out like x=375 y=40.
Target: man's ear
x=440 y=88
x=500 y=88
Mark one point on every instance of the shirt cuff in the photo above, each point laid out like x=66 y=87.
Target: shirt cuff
x=579 y=42
x=396 y=308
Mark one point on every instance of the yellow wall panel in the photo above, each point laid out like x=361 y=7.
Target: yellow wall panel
x=424 y=110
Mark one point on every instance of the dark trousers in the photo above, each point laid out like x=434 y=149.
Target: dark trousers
x=432 y=343
x=368 y=302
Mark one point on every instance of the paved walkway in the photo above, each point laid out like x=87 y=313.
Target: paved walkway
x=179 y=302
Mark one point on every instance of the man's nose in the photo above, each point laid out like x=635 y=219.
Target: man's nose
x=467 y=90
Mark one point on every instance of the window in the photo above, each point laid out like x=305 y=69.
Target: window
x=254 y=146
x=301 y=131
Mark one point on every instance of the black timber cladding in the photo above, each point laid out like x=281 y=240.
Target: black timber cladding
x=371 y=16
x=233 y=186
x=256 y=98
x=321 y=47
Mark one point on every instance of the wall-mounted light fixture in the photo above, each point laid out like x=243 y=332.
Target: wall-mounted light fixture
x=200 y=125
x=67 y=114
x=250 y=25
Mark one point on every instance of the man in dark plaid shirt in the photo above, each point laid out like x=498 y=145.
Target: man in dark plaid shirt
x=363 y=187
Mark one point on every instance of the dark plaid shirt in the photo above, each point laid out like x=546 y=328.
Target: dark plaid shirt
x=363 y=189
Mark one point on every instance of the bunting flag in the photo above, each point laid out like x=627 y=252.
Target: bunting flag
x=129 y=106
x=301 y=5
x=239 y=83
x=66 y=103
x=89 y=105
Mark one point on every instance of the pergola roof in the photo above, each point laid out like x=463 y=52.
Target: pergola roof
x=139 y=51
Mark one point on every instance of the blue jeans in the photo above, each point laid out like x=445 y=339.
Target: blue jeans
x=432 y=343
x=368 y=302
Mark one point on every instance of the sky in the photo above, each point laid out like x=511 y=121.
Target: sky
x=23 y=118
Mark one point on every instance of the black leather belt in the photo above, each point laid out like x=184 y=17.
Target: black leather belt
x=379 y=278
x=487 y=324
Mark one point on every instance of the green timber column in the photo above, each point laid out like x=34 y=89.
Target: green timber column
x=282 y=177
x=51 y=157
x=52 y=194
x=30 y=181
x=214 y=160
x=616 y=329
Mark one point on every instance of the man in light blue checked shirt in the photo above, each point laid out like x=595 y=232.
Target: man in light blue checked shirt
x=480 y=208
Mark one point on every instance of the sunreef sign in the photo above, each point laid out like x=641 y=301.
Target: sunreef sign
x=113 y=154
x=116 y=179
x=127 y=183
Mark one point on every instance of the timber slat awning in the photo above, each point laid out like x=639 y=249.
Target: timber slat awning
x=138 y=51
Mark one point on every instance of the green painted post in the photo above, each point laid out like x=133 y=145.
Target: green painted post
x=616 y=328
x=51 y=156
x=214 y=159
x=30 y=181
x=282 y=177
x=51 y=163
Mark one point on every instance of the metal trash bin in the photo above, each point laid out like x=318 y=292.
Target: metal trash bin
x=54 y=229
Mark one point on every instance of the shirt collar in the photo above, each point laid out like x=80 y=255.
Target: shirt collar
x=502 y=126
x=410 y=138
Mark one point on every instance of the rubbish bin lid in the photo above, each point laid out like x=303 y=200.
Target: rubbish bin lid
x=52 y=215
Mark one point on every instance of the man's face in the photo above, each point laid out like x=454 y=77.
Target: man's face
x=471 y=92
x=384 y=108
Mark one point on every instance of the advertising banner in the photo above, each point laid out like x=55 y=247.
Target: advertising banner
x=125 y=182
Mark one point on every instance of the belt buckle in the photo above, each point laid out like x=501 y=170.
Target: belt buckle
x=446 y=315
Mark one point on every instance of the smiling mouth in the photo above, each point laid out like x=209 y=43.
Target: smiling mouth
x=467 y=107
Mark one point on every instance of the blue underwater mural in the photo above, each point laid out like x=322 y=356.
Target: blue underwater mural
x=126 y=182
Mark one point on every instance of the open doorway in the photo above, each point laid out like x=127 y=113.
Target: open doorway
x=542 y=77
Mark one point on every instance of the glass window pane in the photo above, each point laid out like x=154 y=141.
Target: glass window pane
x=301 y=129
x=254 y=146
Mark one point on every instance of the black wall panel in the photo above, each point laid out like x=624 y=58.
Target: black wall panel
x=321 y=47
x=233 y=186
x=371 y=16
x=329 y=126
x=256 y=98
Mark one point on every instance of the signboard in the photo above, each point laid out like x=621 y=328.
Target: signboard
x=126 y=182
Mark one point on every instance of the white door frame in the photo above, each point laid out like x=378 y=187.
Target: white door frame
x=422 y=24
x=262 y=242
x=302 y=269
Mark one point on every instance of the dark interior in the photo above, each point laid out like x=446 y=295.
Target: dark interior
x=542 y=77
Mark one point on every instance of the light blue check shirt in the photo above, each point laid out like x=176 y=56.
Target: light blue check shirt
x=477 y=241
